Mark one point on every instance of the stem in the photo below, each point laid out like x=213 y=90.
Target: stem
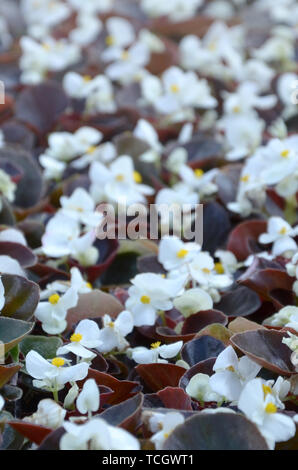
x=291 y=210
x=55 y=395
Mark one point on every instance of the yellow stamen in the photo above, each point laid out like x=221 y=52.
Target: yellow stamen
x=110 y=40
x=46 y=46
x=111 y=324
x=155 y=345
x=175 y=88
x=91 y=149
x=231 y=368
x=285 y=153
x=212 y=46
x=89 y=285
x=145 y=299
x=219 y=268
x=266 y=390
x=236 y=109
x=120 y=177
x=125 y=55
x=182 y=253
x=206 y=270
x=199 y=172
x=76 y=338
x=87 y=78
x=137 y=177
x=271 y=408
x=166 y=435
x=283 y=231
x=58 y=362
x=245 y=178
x=54 y=299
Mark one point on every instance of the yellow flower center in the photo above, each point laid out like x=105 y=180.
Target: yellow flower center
x=54 y=299
x=155 y=345
x=175 y=88
x=125 y=55
x=166 y=435
x=219 y=268
x=283 y=231
x=285 y=153
x=58 y=362
x=236 y=109
x=111 y=324
x=145 y=299
x=137 y=177
x=271 y=408
x=199 y=172
x=182 y=253
x=91 y=149
x=76 y=338
x=46 y=46
x=206 y=270
x=120 y=177
x=89 y=285
x=87 y=78
x=266 y=390
x=245 y=178
x=231 y=368
x=212 y=46
x=110 y=40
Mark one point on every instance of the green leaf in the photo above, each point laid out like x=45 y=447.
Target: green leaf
x=21 y=297
x=13 y=331
x=46 y=347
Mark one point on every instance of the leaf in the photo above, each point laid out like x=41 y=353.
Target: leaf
x=158 y=376
x=175 y=397
x=21 y=253
x=266 y=348
x=52 y=440
x=13 y=331
x=216 y=226
x=220 y=431
x=239 y=325
x=34 y=432
x=150 y=264
x=21 y=297
x=41 y=106
x=126 y=414
x=45 y=346
x=11 y=392
x=217 y=331
x=29 y=188
x=243 y=240
x=196 y=322
x=239 y=302
x=200 y=349
x=94 y=304
x=7 y=372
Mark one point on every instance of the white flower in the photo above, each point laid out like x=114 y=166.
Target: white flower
x=150 y=293
x=2 y=402
x=287 y=316
x=261 y=407
x=127 y=65
x=193 y=301
x=112 y=335
x=231 y=374
x=198 y=180
x=228 y=262
x=89 y=398
x=145 y=131
x=279 y=47
x=92 y=6
x=246 y=98
x=280 y=233
x=77 y=282
x=163 y=425
x=53 y=169
x=52 y=314
x=7 y=187
x=119 y=182
x=47 y=12
x=86 y=336
x=81 y=207
x=96 y=434
x=173 y=253
x=49 y=414
x=142 y=355
x=120 y=34
x=87 y=30
x=200 y=389
x=286 y=92
x=176 y=10
x=52 y=376
x=202 y=270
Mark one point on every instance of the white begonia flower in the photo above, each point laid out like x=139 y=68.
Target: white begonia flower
x=163 y=425
x=149 y=294
x=228 y=262
x=89 y=399
x=77 y=282
x=92 y=6
x=97 y=91
x=174 y=253
x=47 y=12
x=286 y=86
x=261 y=407
x=62 y=238
x=176 y=159
x=38 y=59
x=127 y=65
x=280 y=233
x=2 y=402
x=112 y=335
x=256 y=71
x=198 y=180
x=231 y=374
x=193 y=301
x=96 y=434
x=71 y=397
x=103 y=153
x=87 y=30
x=120 y=34
x=245 y=99
x=142 y=355
x=202 y=269
x=200 y=389
x=53 y=169
x=287 y=316
x=52 y=314
x=118 y=183
x=49 y=414
x=52 y=376
x=7 y=187
x=151 y=41
x=177 y=93
x=176 y=10
x=146 y=132
x=85 y=337
x=279 y=47
x=81 y=207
